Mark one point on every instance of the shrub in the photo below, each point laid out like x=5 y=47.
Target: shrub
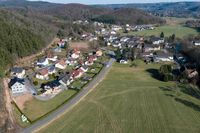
x=35 y=83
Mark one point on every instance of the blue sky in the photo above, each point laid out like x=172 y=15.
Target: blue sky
x=111 y=1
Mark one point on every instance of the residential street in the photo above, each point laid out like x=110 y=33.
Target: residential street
x=66 y=107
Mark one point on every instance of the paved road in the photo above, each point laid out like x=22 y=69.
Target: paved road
x=54 y=115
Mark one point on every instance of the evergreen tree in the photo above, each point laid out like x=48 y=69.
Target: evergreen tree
x=162 y=35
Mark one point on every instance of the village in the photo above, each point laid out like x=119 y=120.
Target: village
x=71 y=64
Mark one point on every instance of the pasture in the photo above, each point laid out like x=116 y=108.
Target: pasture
x=179 y=30
x=132 y=99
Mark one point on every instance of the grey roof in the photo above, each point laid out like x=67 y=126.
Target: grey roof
x=53 y=84
x=65 y=78
x=84 y=67
x=15 y=80
x=41 y=60
x=156 y=38
x=51 y=68
x=17 y=70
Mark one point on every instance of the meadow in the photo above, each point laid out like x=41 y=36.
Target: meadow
x=179 y=30
x=133 y=99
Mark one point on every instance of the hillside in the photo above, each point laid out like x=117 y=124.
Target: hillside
x=73 y=12
x=103 y=14
x=128 y=16
x=178 y=9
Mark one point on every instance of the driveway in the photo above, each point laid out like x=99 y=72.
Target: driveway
x=63 y=109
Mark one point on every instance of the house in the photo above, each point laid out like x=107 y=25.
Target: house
x=43 y=74
x=84 y=68
x=51 y=57
x=113 y=32
x=57 y=50
x=17 y=72
x=91 y=60
x=77 y=73
x=17 y=86
x=53 y=87
x=149 y=48
x=61 y=44
x=61 y=64
x=99 y=53
x=123 y=61
x=71 y=61
x=157 y=40
x=192 y=73
x=166 y=57
x=75 y=54
x=42 y=62
x=51 y=69
x=196 y=43
x=66 y=80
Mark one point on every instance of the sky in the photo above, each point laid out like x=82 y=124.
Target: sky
x=110 y=1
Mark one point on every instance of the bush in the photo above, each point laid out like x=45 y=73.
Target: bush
x=168 y=77
x=35 y=83
x=165 y=69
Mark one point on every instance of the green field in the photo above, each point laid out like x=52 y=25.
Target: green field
x=132 y=100
x=35 y=109
x=179 y=30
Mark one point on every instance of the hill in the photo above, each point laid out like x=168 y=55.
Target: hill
x=177 y=9
x=128 y=16
x=73 y=12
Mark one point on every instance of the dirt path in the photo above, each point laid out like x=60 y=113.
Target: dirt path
x=8 y=104
x=30 y=58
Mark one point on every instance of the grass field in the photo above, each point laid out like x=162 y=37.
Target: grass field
x=179 y=30
x=35 y=108
x=132 y=100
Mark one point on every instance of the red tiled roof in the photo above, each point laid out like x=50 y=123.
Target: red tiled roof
x=43 y=71
x=62 y=62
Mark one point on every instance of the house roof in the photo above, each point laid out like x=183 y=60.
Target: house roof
x=17 y=70
x=42 y=60
x=53 y=84
x=65 y=78
x=84 y=67
x=51 y=68
x=50 y=55
x=62 y=62
x=156 y=38
x=15 y=80
x=75 y=73
x=43 y=71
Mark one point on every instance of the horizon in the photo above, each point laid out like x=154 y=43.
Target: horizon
x=104 y=2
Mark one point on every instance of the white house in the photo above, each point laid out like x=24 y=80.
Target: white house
x=43 y=74
x=66 y=80
x=196 y=43
x=17 y=86
x=18 y=72
x=43 y=62
x=164 y=58
x=52 y=57
x=157 y=40
x=75 y=54
x=84 y=68
x=123 y=61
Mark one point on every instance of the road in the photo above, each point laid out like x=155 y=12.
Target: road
x=66 y=107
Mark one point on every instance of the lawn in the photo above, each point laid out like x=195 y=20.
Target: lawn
x=131 y=99
x=35 y=108
x=179 y=30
